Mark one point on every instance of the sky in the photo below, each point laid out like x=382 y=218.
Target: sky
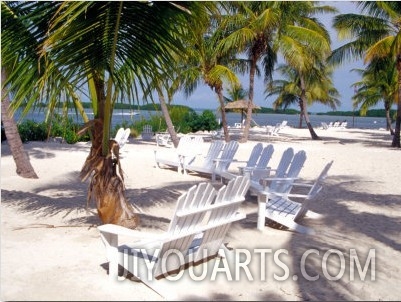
x=343 y=77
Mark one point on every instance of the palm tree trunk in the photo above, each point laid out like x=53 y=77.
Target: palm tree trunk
x=106 y=187
x=301 y=115
x=21 y=159
x=304 y=111
x=396 y=137
x=219 y=92
x=388 y=118
x=167 y=118
x=248 y=119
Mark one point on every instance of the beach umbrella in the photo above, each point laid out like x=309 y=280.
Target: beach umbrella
x=240 y=105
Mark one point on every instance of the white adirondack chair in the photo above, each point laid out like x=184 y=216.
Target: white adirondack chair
x=196 y=233
x=188 y=148
x=256 y=175
x=262 y=163
x=274 y=131
x=119 y=134
x=216 y=163
x=258 y=159
x=223 y=162
x=122 y=136
x=147 y=132
x=206 y=163
x=253 y=157
x=282 y=208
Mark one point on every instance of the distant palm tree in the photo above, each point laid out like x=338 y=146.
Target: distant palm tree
x=236 y=93
x=376 y=33
x=289 y=90
x=114 y=49
x=262 y=29
x=206 y=63
x=378 y=84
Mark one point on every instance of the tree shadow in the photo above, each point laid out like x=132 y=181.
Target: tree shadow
x=343 y=229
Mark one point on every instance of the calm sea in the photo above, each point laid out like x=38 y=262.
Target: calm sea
x=261 y=119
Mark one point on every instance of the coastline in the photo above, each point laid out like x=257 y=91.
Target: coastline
x=51 y=249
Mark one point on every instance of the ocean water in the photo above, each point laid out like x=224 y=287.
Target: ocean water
x=261 y=119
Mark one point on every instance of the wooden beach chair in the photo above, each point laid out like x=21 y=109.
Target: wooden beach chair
x=325 y=126
x=222 y=163
x=197 y=233
x=205 y=163
x=122 y=136
x=283 y=209
x=256 y=175
x=274 y=131
x=262 y=163
x=218 y=160
x=250 y=163
x=185 y=153
x=147 y=132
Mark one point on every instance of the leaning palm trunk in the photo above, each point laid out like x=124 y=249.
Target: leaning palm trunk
x=396 y=136
x=304 y=111
x=21 y=159
x=106 y=186
x=167 y=118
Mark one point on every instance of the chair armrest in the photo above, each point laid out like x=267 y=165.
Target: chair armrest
x=120 y=230
x=280 y=179
x=221 y=160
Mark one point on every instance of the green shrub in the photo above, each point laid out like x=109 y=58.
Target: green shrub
x=32 y=131
x=204 y=122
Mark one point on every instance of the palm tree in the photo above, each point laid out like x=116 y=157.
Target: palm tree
x=289 y=91
x=264 y=29
x=205 y=63
x=107 y=46
x=304 y=44
x=376 y=33
x=21 y=159
x=378 y=84
x=251 y=25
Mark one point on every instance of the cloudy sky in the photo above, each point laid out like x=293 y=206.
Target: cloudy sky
x=343 y=78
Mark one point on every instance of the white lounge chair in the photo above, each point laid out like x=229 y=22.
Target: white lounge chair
x=325 y=126
x=262 y=163
x=220 y=164
x=283 y=209
x=122 y=136
x=197 y=232
x=119 y=134
x=164 y=139
x=256 y=175
x=223 y=162
x=274 y=131
x=188 y=148
x=250 y=163
x=206 y=163
x=147 y=132
x=216 y=163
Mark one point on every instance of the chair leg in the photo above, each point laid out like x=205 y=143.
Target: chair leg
x=262 y=199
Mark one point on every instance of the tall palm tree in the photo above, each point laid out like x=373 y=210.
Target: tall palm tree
x=112 y=48
x=378 y=84
x=264 y=29
x=289 y=90
x=251 y=26
x=206 y=63
x=375 y=33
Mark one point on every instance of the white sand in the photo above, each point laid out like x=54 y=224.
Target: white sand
x=51 y=249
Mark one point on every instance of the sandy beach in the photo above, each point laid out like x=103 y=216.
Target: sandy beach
x=51 y=248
